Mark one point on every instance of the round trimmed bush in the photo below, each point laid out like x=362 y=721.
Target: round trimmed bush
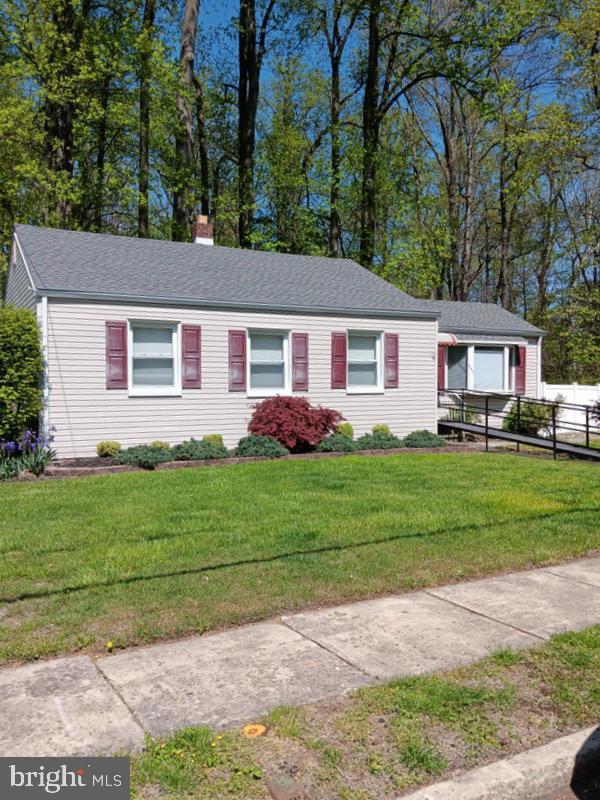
x=424 y=438
x=381 y=429
x=21 y=371
x=213 y=438
x=337 y=443
x=379 y=441
x=194 y=450
x=108 y=449
x=345 y=429
x=160 y=444
x=256 y=445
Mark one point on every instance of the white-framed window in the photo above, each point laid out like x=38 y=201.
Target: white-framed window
x=154 y=363
x=364 y=362
x=482 y=368
x=268 y=362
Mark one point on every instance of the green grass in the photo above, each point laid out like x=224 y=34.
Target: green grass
x=387 y=739
x=134 y=557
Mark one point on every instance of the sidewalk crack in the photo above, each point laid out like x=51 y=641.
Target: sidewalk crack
x=486 y=616
x=331 y=652
x=116 y=691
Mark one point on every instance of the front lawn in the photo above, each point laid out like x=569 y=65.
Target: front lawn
x=134 y=557
x=386 y=740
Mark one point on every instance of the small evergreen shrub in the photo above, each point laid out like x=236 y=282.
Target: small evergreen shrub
x=379 y=441
x=144 y=456
x=345 y=429
x=21 y=371
x=256 y=445
x=424 y=438
x=381 y=429
x=160 y=444
x=213 y=438
x=293 y=422
x=337 y=443
x=534 y=419
x=108 y=448
x=195 y=450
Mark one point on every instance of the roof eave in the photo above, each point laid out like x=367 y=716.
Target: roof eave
x=493 y=331
x=63 y=294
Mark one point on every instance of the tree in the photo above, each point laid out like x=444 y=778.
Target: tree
x=145 y=55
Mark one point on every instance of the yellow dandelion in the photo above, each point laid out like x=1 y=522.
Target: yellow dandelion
x=109 y=646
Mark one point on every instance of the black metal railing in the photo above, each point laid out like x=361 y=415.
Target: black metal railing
x=485 y=408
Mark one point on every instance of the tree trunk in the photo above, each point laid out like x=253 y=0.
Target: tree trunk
x=202 y=147
x=335 y=223
x=144 y=133
x=370 y=132
x=183 y=208
x=101 y=154
x=247 y=106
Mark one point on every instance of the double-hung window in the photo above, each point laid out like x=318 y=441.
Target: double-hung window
x=154 y=367
x=364 y=362
x=268 y=355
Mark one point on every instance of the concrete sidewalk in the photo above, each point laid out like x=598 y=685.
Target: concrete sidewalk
x=78 y=706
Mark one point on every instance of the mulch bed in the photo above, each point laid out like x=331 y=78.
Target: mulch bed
x=78 y=467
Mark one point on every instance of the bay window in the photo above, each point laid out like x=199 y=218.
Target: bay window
x=480 y=368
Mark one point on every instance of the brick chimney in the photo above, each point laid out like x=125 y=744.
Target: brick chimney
x=202 y=230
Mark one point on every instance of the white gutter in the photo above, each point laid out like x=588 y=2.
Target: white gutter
x=221 y=304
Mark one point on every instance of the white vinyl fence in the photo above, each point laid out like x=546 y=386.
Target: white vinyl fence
x=572 y=393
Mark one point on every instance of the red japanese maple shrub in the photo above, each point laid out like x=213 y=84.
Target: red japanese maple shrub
x=293 y=422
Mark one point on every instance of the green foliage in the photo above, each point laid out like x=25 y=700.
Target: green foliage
x=379 y=441
x=194 y=450
x=337 y=443
x=21 y=371
x=463 y=415
x=160 y=444
x=424 y=438
x=213 y=438
x=533 y=418
x=108 y=448
x=143 y=455
x=381 y=429
x=345 y=429
x=257 y=445
x=37 y=459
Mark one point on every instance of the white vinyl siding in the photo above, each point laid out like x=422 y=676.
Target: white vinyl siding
x=19 y=291
x=84 y=412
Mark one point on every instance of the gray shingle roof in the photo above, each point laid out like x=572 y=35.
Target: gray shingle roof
x=456 y=317
x=118 y=267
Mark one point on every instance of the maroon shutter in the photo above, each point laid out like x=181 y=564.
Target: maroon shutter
x=441 y=367
x=520 y=371
x=237 y=361
x=116 y=355
x=300 y=362
x=191 y=340
x=339 y=357
x=390 y=360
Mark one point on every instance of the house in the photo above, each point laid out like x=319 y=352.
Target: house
x=148 y=339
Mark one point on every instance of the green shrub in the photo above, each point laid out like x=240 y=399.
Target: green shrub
x=108 y=448
x=534 y=418
x=21 y=371
x=337 y=443
x=345 y=429
x=195 y=450
x=257 y=445
x=213 y=438
x=160 y=444
x=381 y=429
x=379 y=441
x=424 y=438
x=144 y=456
